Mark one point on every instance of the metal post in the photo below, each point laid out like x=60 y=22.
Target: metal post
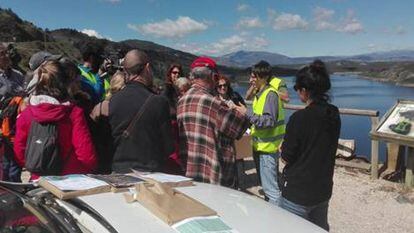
x=409 y=171
x=374 y=150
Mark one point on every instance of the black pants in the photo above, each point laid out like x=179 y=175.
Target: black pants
x=11 y=171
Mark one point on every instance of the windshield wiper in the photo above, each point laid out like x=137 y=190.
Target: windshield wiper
x=20 y=188
x=48 y=204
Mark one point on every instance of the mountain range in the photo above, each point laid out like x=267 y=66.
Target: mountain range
x=27 y=38
x=249 y=58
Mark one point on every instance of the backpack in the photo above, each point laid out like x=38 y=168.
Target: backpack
x=42 y=149
x=10 y=108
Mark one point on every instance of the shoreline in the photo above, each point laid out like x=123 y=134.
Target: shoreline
x=361 y=75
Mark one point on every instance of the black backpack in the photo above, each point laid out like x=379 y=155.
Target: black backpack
x=42 y=150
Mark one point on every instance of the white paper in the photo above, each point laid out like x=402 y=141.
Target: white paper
x=74 y=182
x=165 y=178
x=211 y=224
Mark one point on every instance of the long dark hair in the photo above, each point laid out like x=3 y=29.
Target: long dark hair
x=315 y=79
x=170 y=69
x=50 y=82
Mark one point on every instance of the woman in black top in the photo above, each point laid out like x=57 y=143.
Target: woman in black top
x=309 y=147
x=171 y=92
x=173 y=73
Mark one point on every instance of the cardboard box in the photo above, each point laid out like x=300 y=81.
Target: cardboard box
x=168 y=204
x=244 y=147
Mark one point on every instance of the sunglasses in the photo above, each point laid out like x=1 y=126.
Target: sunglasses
x=221 y=85
x=175 y=72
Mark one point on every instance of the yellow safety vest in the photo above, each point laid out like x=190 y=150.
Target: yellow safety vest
x=91 y=78
x=268 y=140
x=275 y=82
x=107 y=87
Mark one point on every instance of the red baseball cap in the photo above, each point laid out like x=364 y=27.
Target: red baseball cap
x=204 y=62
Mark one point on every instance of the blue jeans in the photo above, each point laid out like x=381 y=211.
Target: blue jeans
x=266 y=166
x=317 y=214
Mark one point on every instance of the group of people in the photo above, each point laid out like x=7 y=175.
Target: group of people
x=115 y=123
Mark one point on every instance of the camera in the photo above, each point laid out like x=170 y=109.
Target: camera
x=113 y=62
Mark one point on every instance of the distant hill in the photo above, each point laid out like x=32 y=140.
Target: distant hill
x=246 y=58
x=401 y=73
x=249 y=58
x=13 y=28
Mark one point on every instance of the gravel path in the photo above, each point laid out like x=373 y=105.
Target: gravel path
x=360 y=204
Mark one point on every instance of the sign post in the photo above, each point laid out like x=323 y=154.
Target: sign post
x=397 y=126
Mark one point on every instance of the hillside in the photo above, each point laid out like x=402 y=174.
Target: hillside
x=13 y=28
x=29 y=39
x=400 y=74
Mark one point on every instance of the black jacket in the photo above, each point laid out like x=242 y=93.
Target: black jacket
x=150 y=141
x=309 y=149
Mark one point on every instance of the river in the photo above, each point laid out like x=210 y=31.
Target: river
x=351 y=91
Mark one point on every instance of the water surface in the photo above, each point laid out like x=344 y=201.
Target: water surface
x=351 y=91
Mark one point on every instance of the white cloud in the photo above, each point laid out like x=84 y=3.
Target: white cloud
x=230 y=44
x=249 y=22
x=373 y=47
x=259 y=43
x=168 y=28
x=287 y=21
x=351 y=24
x=242 y=7
x=323 y=18
x=91 y=32
x=226 y=45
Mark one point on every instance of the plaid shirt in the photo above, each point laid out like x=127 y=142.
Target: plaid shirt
x=207 y=128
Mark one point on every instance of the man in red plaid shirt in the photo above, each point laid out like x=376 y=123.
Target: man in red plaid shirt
x=208 y=128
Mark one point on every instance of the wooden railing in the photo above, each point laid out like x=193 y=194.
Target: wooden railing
x=374 y=117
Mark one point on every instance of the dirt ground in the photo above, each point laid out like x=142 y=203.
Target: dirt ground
x=359 y=204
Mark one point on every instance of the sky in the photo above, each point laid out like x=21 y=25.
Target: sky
x=295 y=28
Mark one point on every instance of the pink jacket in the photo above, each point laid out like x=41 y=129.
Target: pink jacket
x=73 y=133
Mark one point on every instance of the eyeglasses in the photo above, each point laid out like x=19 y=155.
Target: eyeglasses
x=221 y=85
x=175 y=72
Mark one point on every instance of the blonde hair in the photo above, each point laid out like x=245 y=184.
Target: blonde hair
x=117 y=83
x=51 y=83
x=182 y=84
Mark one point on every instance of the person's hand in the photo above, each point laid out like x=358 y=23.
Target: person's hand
x=106 y=65
x=241 y=109
x=251 y=91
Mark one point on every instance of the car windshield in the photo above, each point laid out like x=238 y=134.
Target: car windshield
x=16 y=216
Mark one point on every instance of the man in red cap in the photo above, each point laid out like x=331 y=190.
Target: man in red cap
x=208 y=128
